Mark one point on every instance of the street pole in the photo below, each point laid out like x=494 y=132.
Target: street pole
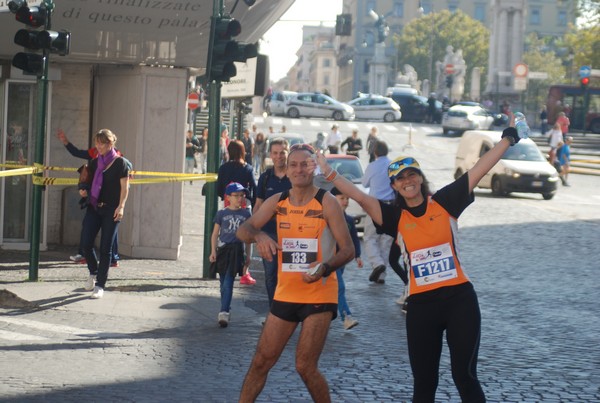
x=36 y=200
x=212 y=155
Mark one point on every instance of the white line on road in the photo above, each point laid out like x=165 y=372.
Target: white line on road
x=6 y=335
x=48 y=326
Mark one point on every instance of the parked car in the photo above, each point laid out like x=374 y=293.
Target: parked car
x=292 y=138
x=350 y=167
x=414 y=107
x=522 y=168
x=276 y=106
x=467 y=117
x=376 y=107
x=317 y=105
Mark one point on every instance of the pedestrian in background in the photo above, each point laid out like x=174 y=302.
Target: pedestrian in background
x=353 y=143
x=377 y=246
x=274 y=180
x=371 y=140
x=192 y=147
x=564 y=123
x=564 y=157
x=108 y=193
x=334 y=139
x=248 y=145
x=203 y=148
x=89 y=154
x=343 y=307
x=544 y=120
x=425 y=226
x=260 y=153
x=227 y=251
x=319 y=143
x=554 y=138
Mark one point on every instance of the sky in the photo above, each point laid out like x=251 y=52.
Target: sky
x=284 y=38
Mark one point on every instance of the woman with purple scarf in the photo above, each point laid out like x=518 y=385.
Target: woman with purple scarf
x=107 y=197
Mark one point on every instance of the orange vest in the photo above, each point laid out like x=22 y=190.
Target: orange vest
x=429 y=242
x=304 y=237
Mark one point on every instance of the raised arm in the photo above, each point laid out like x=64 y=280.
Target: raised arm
x=490 y=158
x=368 y=203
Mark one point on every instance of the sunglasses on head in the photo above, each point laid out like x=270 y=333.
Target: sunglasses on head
x=302 y=147
x=397 y=166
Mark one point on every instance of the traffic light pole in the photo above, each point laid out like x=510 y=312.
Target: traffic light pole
x=213 y=153
x=36 y=202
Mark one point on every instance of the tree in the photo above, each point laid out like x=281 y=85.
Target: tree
x=424 y=40
x=540 y=58
x=584 y=44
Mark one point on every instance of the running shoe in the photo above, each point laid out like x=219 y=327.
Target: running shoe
x=78 y=259
x=349 y=322
x=223 y=319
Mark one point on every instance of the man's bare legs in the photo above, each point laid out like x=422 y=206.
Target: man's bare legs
x=273 y=339
x=310 y=346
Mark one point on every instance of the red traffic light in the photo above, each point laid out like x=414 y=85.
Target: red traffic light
x=32 y=16
x=585 y=81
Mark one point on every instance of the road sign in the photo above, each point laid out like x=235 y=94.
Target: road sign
x=585 y=71
x=520 y=70
x=520 y=83
x=537 y=75
x=449 y=69
x=193 y=100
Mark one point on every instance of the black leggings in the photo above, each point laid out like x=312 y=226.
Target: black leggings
x=425 y=324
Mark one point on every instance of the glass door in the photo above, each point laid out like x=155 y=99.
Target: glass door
x=17 y=148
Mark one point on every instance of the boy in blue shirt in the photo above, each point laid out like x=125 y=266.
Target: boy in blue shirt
x=227 y=251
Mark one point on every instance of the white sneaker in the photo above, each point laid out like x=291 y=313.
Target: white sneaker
x=223 y=319
x=76 y=258
x=400 y=301
x=349 y=322
x=90 y=283
x=98 y=293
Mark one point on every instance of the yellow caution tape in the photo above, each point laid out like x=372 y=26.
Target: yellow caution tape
x=163 y=177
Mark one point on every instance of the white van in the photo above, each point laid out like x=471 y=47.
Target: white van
x=522 y=168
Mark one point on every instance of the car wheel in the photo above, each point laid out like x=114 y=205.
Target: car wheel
x=388 y=117
x=547 y=196
x=497 y=187
x=293 y=113
x=458 y=174
x=595 y=126
x=337 y=115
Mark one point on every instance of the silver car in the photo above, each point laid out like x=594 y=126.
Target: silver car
x=376 y=107
x=317 y=105
x=466 y=117
x=276 y=105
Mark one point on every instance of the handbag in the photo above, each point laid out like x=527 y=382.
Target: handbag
x=85 y=177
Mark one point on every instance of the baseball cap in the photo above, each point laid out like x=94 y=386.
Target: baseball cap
x=235 y=187
x=401 y=164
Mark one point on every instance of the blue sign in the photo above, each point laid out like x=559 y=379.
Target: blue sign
x=585 y=71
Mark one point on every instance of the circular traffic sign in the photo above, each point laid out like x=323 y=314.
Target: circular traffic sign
x=193 y=100
x=520 y=70
x=449 y=68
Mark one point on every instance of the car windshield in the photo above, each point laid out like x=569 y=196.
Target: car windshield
x=349 y=168
x=523 y=152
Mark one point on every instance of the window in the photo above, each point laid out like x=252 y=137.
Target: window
x=534 y=16
x=370 y=6
x=326 y=62
x=452 y=7
x=399 y=9
x=427 y=7
x=326 y=79
x=479 y=14
x=562 y=18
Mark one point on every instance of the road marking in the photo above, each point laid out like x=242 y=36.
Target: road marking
x=6 y=335
x=277 y=121
x=352 y=126
x=390 y=128
x=315 y=123
x=258 y=119
x=48 y=326
x=296 y=122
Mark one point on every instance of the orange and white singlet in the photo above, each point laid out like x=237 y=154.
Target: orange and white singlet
x=304 y=237
x=429 y=241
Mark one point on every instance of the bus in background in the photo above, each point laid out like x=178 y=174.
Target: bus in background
x=570 y=99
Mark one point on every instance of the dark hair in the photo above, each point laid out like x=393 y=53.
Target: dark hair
x=279 y=141
x=236 y=151
x=425 y=191
x=380 y=148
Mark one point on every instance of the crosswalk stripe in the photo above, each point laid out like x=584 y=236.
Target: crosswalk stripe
x=296 y=123
x=6 y=335
x=314 y=123
x=47 y=326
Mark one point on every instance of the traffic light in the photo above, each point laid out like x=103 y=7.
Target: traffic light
x=45 y=40
x=449 y=80
x=343 y=25
x=223 y=51
x=585 y=82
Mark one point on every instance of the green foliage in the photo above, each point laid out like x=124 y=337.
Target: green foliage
x=584 y=44
x=436 y=31
x=539 y=58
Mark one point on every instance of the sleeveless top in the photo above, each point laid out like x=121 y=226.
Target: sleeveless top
x=429 y=242
x=304 y=237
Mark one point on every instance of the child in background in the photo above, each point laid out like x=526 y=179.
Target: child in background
x=227 y=251
x=564 y=157
x=345 y=314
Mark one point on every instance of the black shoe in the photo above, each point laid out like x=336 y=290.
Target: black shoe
x=376 y=273
x=404 y=307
